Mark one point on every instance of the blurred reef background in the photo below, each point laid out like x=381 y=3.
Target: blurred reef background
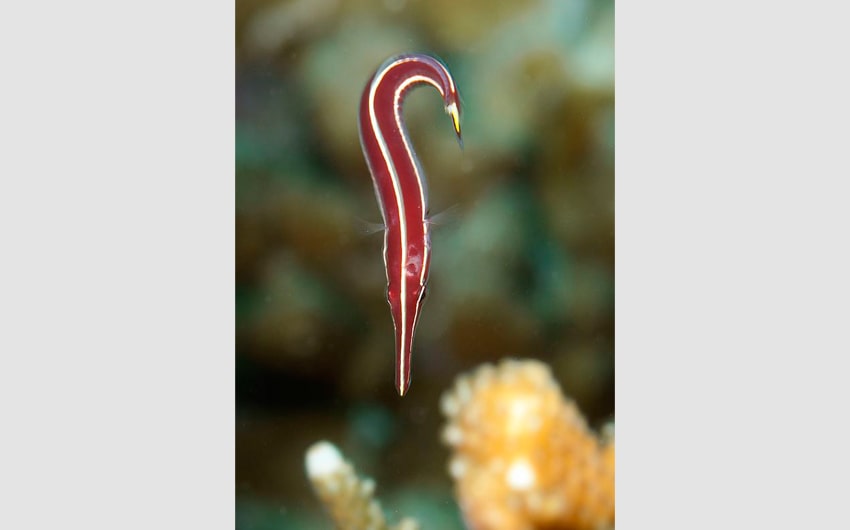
x=524 y=270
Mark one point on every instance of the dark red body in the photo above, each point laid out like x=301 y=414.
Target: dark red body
x=401 y=189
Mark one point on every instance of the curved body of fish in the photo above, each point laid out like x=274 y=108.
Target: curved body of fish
x=401 y=189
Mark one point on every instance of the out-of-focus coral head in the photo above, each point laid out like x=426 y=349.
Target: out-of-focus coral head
x=522 y=455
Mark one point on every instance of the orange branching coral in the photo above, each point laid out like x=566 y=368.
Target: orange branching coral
x=523 y=456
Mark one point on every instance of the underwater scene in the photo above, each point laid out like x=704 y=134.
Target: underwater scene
x=424 y=264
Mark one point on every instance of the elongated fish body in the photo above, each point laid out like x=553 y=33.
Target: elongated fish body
x=401 y=189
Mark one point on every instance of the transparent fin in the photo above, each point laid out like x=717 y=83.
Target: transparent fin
x=448 y=216
x=367 y=228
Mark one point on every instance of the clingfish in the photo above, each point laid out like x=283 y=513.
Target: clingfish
x=401 y=189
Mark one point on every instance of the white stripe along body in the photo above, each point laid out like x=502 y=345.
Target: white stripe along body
x=401 y=189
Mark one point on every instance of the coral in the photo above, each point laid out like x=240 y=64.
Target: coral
x=523 y=456
x=347 y=497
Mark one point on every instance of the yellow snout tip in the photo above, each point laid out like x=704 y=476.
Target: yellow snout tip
x=455 y=115
x=453 y=111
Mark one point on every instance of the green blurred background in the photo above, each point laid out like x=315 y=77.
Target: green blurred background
x=525 y=269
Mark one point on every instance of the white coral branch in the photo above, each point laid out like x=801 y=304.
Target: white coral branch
x=348 y=498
